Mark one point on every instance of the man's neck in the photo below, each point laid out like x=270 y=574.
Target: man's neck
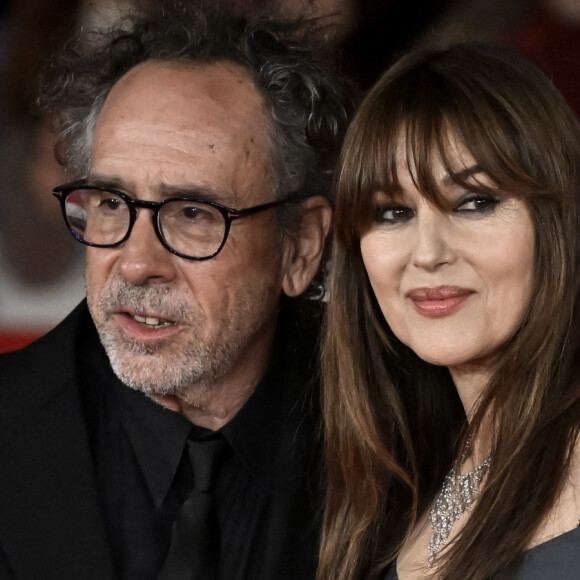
x=215 y=410
x=213 y=404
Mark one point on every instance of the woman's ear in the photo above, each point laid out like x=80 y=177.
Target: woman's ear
x=305 y=248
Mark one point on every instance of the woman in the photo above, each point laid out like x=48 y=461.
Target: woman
x=455 y=273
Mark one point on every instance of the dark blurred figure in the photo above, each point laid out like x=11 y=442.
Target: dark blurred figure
x=33 y=244
x=385 y=29
x=547 y=32
x=40 y=269
x=480 y=20
x=550 y=37
x=366 y=35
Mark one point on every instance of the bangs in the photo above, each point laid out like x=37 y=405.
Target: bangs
x=408 y=133
x=416 y=118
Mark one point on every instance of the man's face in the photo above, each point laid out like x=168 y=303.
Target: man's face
x=167 y=322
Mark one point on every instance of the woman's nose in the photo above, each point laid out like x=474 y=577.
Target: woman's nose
x=433 y=245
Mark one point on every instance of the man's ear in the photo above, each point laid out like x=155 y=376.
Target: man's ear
x=303 y=250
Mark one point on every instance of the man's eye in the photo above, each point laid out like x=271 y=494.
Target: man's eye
x=393 y=214
x=195 y=213
x=110 y=203
x=107 y=204
x=477 y=203
x=191 y=212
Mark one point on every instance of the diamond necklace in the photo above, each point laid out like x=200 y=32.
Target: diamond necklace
x=456 y=496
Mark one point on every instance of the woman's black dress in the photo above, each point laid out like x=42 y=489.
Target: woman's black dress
x=556 y=559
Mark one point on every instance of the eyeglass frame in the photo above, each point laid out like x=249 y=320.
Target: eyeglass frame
x=229 y=214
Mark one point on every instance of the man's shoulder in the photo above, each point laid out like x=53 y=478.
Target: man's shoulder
x=48 y=360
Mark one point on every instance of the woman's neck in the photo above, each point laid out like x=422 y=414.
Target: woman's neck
x=470 y=381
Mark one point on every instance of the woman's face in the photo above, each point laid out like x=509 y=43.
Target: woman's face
x=452 y=283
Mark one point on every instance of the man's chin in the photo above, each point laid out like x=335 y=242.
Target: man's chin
x=162 y=368
x=156 y=391
x=151 y=379
x=158 y=384
x=148 y=369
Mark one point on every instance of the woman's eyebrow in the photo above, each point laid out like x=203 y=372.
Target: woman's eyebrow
x=462 y=175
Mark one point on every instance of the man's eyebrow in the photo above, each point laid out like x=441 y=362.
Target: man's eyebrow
x=108 y=182
x=200 y=192
x=462 y=175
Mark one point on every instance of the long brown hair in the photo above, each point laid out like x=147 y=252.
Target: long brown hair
x=391 y=420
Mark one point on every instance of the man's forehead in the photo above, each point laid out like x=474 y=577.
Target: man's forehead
x=173 y=101
x=175 y=123
x=222 y=85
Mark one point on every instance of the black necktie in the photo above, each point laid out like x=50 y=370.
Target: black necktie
x=194 y=549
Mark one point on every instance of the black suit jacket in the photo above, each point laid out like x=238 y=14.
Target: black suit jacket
x=51 y=526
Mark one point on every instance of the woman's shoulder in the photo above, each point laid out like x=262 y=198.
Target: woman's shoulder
x=391 y=572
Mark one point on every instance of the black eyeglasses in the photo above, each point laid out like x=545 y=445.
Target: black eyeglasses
x=189 y=228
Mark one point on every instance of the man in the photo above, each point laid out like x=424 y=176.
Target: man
x=200 y=148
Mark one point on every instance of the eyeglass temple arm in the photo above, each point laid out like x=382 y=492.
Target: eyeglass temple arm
x=234 y=214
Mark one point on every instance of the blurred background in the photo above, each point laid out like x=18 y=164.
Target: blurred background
x=41 y=266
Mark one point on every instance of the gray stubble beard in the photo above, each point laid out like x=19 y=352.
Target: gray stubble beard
x=170 y=367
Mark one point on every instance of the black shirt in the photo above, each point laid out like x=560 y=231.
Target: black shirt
x=144 y=476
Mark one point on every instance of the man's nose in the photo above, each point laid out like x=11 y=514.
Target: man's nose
x=143 y=258
x=433 y=245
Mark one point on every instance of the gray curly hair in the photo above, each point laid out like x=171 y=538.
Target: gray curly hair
x=309 y=103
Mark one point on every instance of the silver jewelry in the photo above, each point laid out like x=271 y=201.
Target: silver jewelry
x=456 y=496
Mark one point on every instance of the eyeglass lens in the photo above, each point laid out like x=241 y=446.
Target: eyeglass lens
x=101 y=218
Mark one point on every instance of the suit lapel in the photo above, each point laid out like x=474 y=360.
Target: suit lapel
x=51 y=526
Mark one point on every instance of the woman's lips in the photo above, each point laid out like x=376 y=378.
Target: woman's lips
x=438 y=301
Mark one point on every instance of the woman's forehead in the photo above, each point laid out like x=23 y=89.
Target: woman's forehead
x=443 y=160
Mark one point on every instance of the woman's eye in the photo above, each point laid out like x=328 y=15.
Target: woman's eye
x=477 y=203
x=391 y=215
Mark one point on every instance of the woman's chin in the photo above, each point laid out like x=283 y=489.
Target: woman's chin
x=444 y=357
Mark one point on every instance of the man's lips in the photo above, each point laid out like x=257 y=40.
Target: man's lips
x=152 y=321
x=439 y=300
x=148 y=320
